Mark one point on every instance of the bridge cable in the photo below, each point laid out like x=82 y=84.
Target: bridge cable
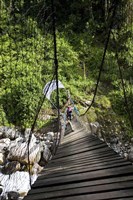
x=121 y=75
x=40 y=104
x=125 y=96
x=114 y=7
x=56 y=68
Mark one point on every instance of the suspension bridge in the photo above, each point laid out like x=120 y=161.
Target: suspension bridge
x=84 y=167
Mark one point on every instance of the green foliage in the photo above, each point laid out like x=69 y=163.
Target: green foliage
x=21 y=80
x=118 y=100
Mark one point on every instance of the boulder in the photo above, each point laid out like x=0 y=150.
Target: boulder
x=94 y=127
x=132 y=140
x=20 y=152
x=2 y=158
x=17 y=182
x=13 y=195
x=50 y=136
x=1 y=135
x=9 y=133
x=11 y=167
x=4 y=144
x=130 y=155
x=36 y=169
x=46 y=154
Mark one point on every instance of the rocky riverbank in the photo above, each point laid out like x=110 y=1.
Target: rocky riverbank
x=15 y=155
x=115 y=141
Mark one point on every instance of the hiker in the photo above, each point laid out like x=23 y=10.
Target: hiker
x=69 y=113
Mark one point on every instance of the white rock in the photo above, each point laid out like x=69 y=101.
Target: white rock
x=131 y=140
x=94 y=127
x=4 y=143
x=2 y=158
x=46 y=153
x=19 y=152
x=130 y=156
x=36 y=168
x=50 y=136
x=18 y=182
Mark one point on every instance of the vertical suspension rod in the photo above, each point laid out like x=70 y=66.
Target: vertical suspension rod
x=55 y=60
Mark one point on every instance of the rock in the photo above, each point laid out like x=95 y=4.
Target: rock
x=1 y=188
x=94 y=127
x=2 y=158
x=11 y=167
x=88 y=103
x=15 y=142
x=19 y=152
x=126 y=156
x=48 y=143
x=114 y=140
x=13 y=195
x=99 y=134
x=130 y=155
x=3 y=198
x=27 y=134
x=132 y=140
x=126 y=144
x=1 y=135
x=9 y=133
x=36 y=169
x=50 y=136
x=46 y=154
x=17 y=182
x=4 y=144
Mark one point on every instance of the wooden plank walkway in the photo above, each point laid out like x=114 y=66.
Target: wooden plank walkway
x=84 y=168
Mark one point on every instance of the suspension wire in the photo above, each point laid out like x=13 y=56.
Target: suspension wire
x=122 y=79
x=125 y=97
x=56 y=71
x=40 y=104
x=35 y=119
x=114 y=7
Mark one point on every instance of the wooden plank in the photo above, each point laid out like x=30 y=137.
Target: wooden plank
x=76 y=144
x=81 y=170
x=101 y=196
x=91 y=175
x=73 y=152
x=86 y=162
x=96 y=160
x=87 y=154
x=84 y=190
x=82 y=184
x=124 y=198
x=76 y=141
x=83 y=157
x=85 y=168
x=80 y=146
x=78 y=133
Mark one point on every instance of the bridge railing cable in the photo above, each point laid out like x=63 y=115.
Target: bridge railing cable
x=114 y=9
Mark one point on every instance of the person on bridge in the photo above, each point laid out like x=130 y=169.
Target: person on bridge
x=69 y=113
